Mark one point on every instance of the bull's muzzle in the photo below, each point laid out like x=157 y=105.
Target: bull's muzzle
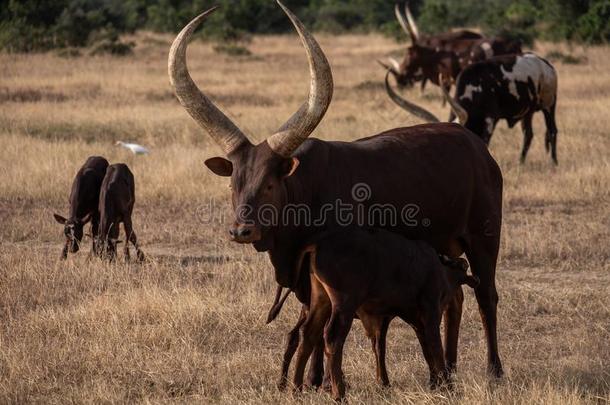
x=242 y=233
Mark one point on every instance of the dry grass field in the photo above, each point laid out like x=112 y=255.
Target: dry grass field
x=189 y=325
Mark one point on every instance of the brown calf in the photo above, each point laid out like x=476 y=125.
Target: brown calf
x=84 y=198
x=376 y=275
x=117 y=197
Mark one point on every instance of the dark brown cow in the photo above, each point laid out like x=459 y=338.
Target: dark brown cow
x=84 y=197
x=376 y=275
x=446 y=53
x=117 y=197
x=443 y=175
x=423 y=63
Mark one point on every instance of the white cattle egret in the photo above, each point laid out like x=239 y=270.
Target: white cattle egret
x=133 y=147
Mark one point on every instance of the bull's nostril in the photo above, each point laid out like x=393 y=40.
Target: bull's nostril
x=245 y=232
x=232 y=232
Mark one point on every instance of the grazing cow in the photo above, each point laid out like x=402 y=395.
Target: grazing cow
x=446 y=53
x=510 y=87
x=84 y=197
x=423 y=63
x=414 y=170
x=117 y=197
x=376 y=275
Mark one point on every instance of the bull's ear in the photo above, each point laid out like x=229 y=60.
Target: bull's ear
x=220 y=166
x=60 y=219
x=289 y=166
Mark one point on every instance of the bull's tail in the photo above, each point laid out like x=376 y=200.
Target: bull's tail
x=278 y=303
x=279 y=300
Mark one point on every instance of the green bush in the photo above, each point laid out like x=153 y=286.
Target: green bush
x=594 y=26
x=34 y=25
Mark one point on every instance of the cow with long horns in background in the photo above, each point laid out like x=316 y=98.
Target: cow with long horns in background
x=510 y=87
x=443 y=169
x=446 y=53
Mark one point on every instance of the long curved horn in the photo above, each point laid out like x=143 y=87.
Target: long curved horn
x=394 y=66
x=302 y=123
x=401 y=19
x=204 y=112
x=407 y=105
x=458 y=110
x=408 y=23
x=412 y=25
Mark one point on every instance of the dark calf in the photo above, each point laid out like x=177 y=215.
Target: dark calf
x=376 y=275
x=84 y=198
x=117 y=197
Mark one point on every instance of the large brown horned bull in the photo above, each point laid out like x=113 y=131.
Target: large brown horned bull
x=441 y=174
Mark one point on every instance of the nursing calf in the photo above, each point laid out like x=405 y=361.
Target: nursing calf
x=117 y=197
x=83 y=199
x=376 y=275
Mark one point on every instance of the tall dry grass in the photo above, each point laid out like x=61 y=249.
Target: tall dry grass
x=188 y=326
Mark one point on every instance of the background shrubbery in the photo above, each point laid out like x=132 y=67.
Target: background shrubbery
x=32 y=25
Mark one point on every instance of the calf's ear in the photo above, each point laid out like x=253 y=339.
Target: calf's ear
x=463 y=263
x=289 y=166
x=220 y=166
x=60 y=219
x=472 y=281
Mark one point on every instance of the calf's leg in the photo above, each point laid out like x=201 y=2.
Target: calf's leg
x=95 y=224
x=291 y=346
x=311 y=332
x=64 y=251
x=453 y=318
x=334 y=338
x=429 y=336
x=131 y=237
x=377 y=329
x=315 y=375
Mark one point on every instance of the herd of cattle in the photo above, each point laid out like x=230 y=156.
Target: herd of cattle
x=494 y=80
x=410 y=270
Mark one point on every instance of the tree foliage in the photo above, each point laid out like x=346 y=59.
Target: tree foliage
x=32 y=25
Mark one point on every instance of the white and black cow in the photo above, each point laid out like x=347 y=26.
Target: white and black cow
x=510 y=87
